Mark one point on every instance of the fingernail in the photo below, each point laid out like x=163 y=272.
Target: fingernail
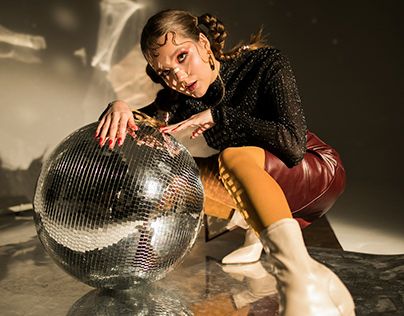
x=120 y=141
x=110 y=142
x=101 y=140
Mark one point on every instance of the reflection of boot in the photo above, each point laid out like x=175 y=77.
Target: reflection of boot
x=237 y=220
x=259 y=282
x=251 y=270
x=249 y=252
x=252 y=247
x=305 y=286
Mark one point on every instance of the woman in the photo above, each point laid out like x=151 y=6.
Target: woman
x=246 y=105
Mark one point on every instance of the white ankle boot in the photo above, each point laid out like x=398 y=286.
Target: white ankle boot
x=306 y=287
x=257 y=279
x=248 y=253
x=237 y=220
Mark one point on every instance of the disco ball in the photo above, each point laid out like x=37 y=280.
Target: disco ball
x=116 y=218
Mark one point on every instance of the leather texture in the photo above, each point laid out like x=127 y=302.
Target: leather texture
x=311 y=187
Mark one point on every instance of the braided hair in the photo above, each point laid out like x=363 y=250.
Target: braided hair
x=217 y=35
x=190 y=26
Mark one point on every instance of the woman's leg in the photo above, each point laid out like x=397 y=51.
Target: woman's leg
x=257 y=196
x=255 y=192
x=306 y=287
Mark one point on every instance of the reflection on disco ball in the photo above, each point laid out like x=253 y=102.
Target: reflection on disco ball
x=114 y=218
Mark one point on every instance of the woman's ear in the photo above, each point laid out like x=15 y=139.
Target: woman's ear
x=203 y=40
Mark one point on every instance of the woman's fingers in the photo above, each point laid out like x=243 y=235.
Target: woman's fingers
x=182 y=126
x=177 y=127
x=132 y=124
x=113 y=128
x=121 y=132
x=170 y=128
x=200 y=130
x=125 y=123
x=185 y=124
x=114 y=124
x=104 y=131
x=196 y=133
x=100 y=125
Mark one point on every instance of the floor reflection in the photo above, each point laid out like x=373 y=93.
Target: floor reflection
x=32 y=284
x=146 y=300
x=238 y=290
x=202 y=289
x=258 y=281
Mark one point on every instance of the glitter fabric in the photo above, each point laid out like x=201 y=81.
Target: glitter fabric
x=114 y=218
x=261 y=106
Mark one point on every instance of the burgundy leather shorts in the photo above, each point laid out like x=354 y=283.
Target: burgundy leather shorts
x=313 y=186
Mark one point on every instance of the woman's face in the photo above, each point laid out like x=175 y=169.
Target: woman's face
x=184 y=64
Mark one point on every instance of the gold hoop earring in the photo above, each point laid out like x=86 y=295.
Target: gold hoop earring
x=211 y=61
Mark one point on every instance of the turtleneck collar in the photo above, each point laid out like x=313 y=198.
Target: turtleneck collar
x=215 y=92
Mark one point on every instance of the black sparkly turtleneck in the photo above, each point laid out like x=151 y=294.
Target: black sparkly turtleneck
x=261 y=106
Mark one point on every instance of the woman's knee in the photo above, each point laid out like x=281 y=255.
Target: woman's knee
x=232 y=157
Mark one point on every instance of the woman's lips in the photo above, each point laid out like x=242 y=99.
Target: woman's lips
x=191 y=87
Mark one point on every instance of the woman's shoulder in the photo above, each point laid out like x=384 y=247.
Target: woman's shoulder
x=261 y=62
x=266 y=51
x=266 y=55
x=268 y=60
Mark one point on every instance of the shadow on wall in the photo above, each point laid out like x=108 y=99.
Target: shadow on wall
x=61 y=63
x=18 y=186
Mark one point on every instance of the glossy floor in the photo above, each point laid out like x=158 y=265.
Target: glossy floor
x=32 y=284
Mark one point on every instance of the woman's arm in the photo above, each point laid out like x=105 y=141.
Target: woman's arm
x=118 y=117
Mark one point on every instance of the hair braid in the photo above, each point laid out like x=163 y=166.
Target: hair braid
x=190 y=26
x=218 y=35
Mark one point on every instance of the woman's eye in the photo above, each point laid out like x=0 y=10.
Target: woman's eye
x=181 y=57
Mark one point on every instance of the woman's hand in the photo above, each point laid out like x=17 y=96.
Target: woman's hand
x=114 y=124
x=202 y=121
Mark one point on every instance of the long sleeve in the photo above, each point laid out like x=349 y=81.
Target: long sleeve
x=150 y=110
x=277 y=122
x=164 y=105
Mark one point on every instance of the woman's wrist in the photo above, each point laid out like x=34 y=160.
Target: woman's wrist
x=105 y=111
x=111 y=104
x=216 y=114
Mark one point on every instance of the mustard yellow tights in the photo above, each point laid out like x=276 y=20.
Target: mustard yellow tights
x=257 y=195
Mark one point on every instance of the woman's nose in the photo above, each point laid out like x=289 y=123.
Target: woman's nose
x=180 y=74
